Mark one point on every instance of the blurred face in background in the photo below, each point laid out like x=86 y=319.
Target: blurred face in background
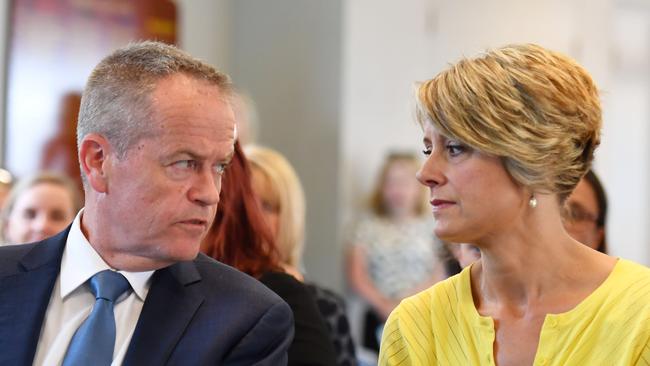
x=267 y=199
x=401 y=191
x=39 y=212
x=582 y=215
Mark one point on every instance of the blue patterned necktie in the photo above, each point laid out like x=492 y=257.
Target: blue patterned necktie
x=94 y=341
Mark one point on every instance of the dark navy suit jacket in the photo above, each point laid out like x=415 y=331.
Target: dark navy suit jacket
x=196 y=313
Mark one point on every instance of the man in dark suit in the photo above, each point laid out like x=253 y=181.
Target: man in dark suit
x=123 y=284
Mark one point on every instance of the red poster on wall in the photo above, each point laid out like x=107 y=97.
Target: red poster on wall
x=54 y=44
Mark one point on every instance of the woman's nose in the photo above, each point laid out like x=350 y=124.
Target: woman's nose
x=430 y=173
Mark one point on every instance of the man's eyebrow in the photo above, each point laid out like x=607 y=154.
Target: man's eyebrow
x=189 y=153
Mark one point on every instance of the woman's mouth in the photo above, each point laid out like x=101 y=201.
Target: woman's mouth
x=441 y=204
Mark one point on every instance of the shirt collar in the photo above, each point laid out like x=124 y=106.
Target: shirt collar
x=80 y=262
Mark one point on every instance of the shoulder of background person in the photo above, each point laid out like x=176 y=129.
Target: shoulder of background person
x=332 y=307
x=287 y=287
x=312 y=344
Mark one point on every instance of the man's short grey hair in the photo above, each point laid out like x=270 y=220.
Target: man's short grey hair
x=116 y=102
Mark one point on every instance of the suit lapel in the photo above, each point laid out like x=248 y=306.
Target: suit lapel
x=168 y=309
x=26 y=295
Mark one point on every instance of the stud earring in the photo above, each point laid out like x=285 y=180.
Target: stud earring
x=532 y=202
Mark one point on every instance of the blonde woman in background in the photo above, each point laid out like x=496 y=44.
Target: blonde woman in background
x=393 y=252
x=38 y=207
x=281 y=197
x=507 y=136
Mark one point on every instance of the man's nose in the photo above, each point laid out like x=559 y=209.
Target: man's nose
x=206 y=188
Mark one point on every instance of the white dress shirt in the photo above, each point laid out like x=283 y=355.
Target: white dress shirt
x=71 y=301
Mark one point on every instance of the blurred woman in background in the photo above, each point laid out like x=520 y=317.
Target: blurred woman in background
x=393 y=252
x=586 y=213
x=281 y=197
x=38 y=207
x=241 y=238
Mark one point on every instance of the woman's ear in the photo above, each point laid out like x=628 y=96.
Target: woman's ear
x=94 y=151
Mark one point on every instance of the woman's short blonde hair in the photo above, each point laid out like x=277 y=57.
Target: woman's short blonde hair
x=377 y=202
x=284 y=191
x=538 y=110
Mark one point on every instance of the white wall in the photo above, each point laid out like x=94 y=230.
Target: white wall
x=624 y=158
x=286 y=55
x=204 y=30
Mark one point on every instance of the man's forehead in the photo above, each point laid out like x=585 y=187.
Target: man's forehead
x=174 y=91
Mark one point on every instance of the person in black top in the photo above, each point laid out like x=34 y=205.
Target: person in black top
x=240 y=237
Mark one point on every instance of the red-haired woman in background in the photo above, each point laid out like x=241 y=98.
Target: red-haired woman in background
x=241 y=238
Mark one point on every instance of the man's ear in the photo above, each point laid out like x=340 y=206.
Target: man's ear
x=94 y=151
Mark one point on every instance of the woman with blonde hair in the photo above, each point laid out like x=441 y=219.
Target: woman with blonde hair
x=393 y=252
x=38 y=207
x=281 y=197
x=507 y=136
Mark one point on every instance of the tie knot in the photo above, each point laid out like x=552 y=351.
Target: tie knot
x=108 y=285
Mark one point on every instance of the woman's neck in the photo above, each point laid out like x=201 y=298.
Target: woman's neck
x=532 y=265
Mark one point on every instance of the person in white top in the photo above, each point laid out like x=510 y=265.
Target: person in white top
x=155 y=133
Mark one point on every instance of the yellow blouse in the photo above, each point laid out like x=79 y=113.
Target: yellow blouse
x=440 y=326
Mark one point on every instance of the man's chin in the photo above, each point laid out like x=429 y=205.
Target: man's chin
x=165 y=255
x=186 y=255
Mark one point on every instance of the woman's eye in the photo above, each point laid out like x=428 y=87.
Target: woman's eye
x=455 y=149
x=426 y=151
